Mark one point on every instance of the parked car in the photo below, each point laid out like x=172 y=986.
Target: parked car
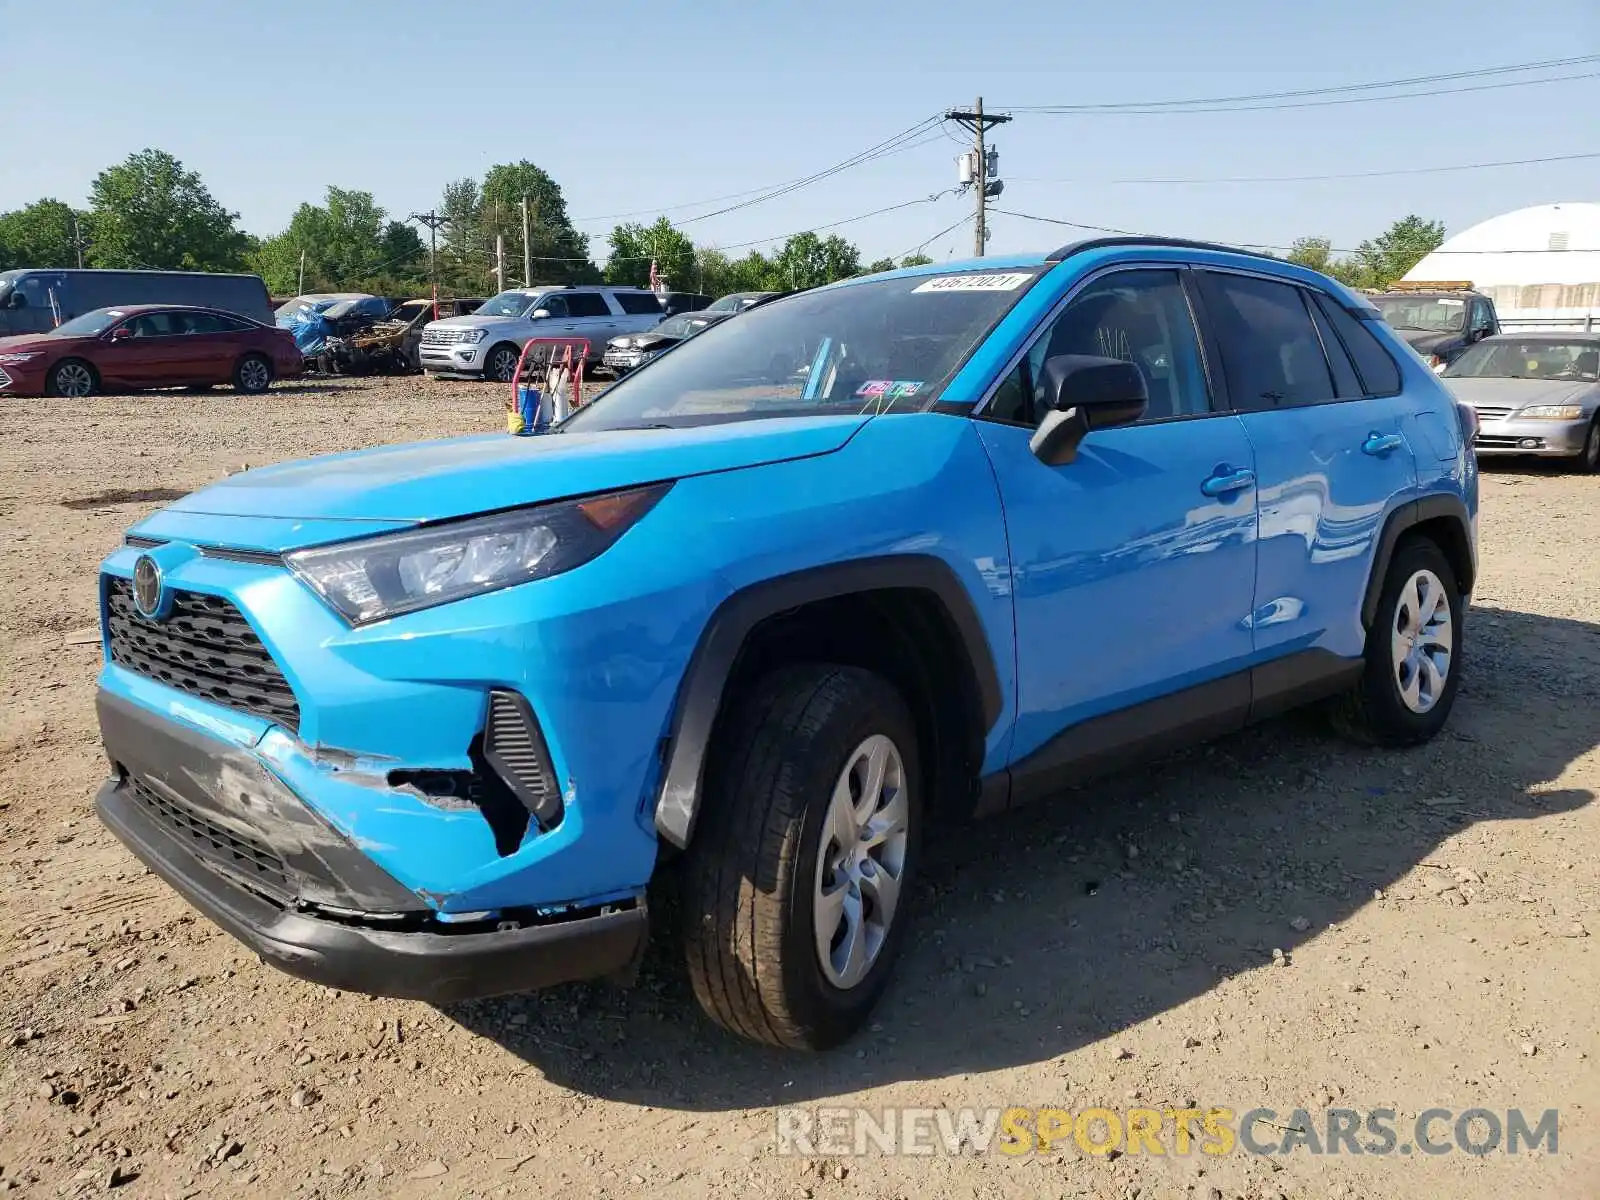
x=1534 y=393
x=633 y=350
x=1438 y=321
x=739 y=301
x=868 y=559
x=35 y=301
x=147 y=346
x=673 y=303
x=487 y=343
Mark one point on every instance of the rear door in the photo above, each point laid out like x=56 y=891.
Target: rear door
x=589 y=315
x=1334 y=456
x=212 y=345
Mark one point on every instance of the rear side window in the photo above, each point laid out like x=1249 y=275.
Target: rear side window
x=1346 y=383
x=1270 y=349
x=637 y=303
x=1379 y=374
x=586 y=304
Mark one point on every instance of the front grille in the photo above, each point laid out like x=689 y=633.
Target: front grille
x=1492 y=412
x=206 y=648
x=240 y=855
x=443 y=337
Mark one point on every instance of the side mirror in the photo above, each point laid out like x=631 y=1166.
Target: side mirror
x=1081 y=393
x=121 y=333
x=539 y=314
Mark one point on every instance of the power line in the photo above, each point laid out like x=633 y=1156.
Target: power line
x=917 y=249
x=835 y=224
x=1255 y=245
x=1301 y=93
x=1479 y=166
x=1069 y=111
x=900 y=142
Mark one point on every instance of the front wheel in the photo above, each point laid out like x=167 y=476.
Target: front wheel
x=1588 y=459
x=72 y=378
x=501 y=363
x=1413 y=654
x=797 y=886
x=253 y=375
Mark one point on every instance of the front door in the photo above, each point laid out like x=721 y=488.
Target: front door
x=1320 y=400
x=1133 y=566
x=144 y=351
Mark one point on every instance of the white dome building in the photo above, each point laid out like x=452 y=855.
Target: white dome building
x=1541 y=265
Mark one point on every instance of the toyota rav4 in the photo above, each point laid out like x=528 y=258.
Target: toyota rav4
x=428 y=721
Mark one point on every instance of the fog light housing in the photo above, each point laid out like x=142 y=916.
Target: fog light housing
x=1530 y=444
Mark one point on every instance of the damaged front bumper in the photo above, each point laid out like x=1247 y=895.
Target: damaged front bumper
x=238 y=844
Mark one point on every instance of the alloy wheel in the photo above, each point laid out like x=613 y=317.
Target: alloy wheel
x=861 y=863
x=1422 y=641
x=73 y=379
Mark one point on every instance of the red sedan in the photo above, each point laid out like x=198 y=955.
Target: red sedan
x=147 y=346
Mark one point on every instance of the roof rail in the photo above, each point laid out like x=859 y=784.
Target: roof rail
x=1101 y=243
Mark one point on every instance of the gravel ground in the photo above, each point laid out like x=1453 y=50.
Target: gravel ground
x=1122 y=947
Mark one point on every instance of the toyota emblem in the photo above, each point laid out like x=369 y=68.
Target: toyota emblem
x=147 y=586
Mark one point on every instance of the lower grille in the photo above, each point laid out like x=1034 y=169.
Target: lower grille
x=1507 y=443
x=242 y=857
x=204 y=647
x=514 y=747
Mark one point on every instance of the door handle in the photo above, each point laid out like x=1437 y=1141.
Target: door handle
x=1225 y=481
x=1381 y=443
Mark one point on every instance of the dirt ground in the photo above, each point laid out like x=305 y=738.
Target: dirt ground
x=1433 y=909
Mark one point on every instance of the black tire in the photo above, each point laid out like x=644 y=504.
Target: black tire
x=1588 y=459
x=1375 y=711
x=748 y=917
x=67 y=376
x=252 y=374
x=501 y=362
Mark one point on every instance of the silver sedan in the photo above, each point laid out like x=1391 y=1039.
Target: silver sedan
x=1534 y=393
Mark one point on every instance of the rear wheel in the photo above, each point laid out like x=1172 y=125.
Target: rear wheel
x=253 y=374
x=797 y=886
x=501 y=362
x=1413 y=654
x=74 y=378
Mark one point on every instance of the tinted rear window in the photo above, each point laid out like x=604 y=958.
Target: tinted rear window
x=1379 y=374
x=637 y=303
x=1270 y=349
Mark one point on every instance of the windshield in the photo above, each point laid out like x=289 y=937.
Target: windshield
x=681 y=327
x=1431 y=314
x=887 y=345
x=733 y=303
x=91 y=323
x=507 y=304
x=1578 y=362
x=315 y=303
x=6 y=279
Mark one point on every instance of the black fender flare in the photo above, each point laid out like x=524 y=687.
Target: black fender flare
x=1408 y=516
x=700 y=692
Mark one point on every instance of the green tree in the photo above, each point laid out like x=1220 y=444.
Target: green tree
x=633 y=247
x=560 y=253
x=148 y=211
x=348 y=243
x=39 y=235
x=888 y=264
x=916 y=260
x=1379 y=261
x=809 y=261
x=1313 y=252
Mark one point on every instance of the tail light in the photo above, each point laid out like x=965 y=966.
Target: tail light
x=1467 y=418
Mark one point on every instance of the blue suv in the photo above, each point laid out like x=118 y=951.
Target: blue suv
x=431 y=720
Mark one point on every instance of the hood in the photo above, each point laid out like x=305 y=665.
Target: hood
x=29 y=341
x=474 y=321
x=1515 y=393
x=431 y=481
x=1426 y=342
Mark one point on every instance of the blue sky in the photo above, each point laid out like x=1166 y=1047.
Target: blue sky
x=638 y=106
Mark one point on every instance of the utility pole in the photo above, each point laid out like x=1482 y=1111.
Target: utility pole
x=300 y=290
x=979 y=123
x=79 y=242
x=434 y=222
x=499 y=262
x=527 y=245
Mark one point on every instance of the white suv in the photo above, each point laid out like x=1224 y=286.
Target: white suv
x=487 y=343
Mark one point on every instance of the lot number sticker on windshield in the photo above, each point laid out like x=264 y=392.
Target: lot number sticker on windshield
x=889 y=389
x=974 y=283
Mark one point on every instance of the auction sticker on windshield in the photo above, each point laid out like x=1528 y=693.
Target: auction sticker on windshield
x=974 y=283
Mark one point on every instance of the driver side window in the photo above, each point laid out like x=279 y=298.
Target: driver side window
x=1141 y=317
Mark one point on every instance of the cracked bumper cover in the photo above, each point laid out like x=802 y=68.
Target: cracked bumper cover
x=328 y=925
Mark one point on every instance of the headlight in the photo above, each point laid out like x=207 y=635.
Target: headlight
x=382 y=577
x=1552 y=412
x=473 y=336
x=17 y=357
x=620 y=343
